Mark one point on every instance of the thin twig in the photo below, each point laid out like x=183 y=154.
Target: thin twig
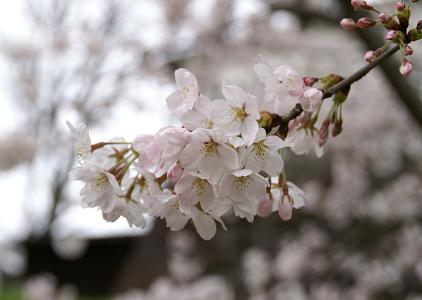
x=282 y=121
x=361 y=72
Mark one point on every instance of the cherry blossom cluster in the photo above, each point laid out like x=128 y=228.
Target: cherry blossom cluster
x=397 y=26
x=226 y=155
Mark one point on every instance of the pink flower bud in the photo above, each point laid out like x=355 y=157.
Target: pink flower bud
x=366 y=23
x=370 y=56
x=309 y=81
x=408 y=50
x=175 y=172
x=285 y=210
x=265 y=208
x=357 y=4
x=406 y=68
x=391 y=35
x=400 y=5
x=384 y=18
x=348 y=24
x=323 y=132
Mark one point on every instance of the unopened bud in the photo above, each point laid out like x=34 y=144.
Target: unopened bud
x=359 y=4
x=265 y=208
x=175 y=172
x=323 y=132
x=309 y=81
x=348 y=24
x=391 y=35
x=384 y=18
x=285 y=209
x=370 y=56
x=366 y=23
x=337 y=129
x=400 y=5
x=408 y=50
x=406 y=68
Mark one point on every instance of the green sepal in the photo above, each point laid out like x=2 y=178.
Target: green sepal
x=329 y=81
x=404 y=17
x=341 y=96
x=414 y=35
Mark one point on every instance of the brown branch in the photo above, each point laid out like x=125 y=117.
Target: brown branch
x=283 y=121
x=347 y=82
x=407 y=92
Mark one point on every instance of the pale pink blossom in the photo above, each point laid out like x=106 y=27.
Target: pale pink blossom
x=208 y=152
x=82 y=146
x=311 y=99
x=263 y=154
x=245 y=189
x=100 y=189
x=196 y=188
x=175 y=172
x=131 y=210
x=200 y=115
x=183 y=99
x=237 y=115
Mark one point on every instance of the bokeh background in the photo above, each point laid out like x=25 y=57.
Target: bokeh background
x=110 y=64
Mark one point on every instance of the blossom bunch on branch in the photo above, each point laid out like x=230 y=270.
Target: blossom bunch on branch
x=227 y=154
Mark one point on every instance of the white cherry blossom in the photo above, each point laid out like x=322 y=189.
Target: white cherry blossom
x=100 y=189
x=208 y=152
x=263 y=154
x=200 y=115
x=183 y=99
x=178 y=212
x=290 y=80
x=82 y=146
x=238 y=114
x=245 y=189
x=311 y=99
x=303 y=142
x=279 y=82
x=197 y=188
x=131 y=210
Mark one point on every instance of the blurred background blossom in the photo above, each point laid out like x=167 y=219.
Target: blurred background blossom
x=110 y=64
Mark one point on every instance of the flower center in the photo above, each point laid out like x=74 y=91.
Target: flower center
x=99 y=183
x=81 y=152
x=238 y=114
x=184 y=92
x=260 y=150
x=207 y=123
x=199 y=186
x=209 y=149
x=241 y=183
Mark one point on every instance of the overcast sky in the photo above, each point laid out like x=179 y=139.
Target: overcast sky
x=89 y=221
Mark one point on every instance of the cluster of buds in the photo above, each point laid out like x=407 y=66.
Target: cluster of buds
x=397 y=26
